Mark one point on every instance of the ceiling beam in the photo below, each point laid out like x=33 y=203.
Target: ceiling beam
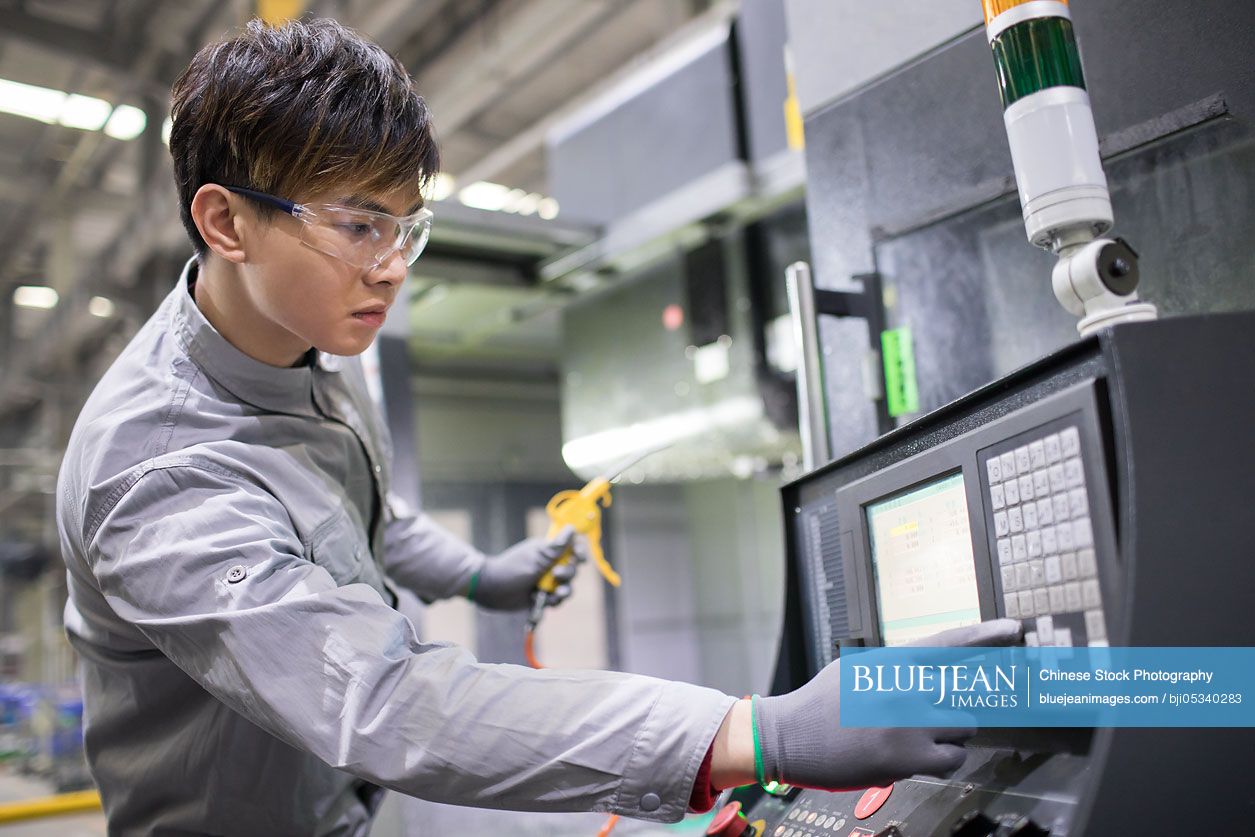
x=81 y=45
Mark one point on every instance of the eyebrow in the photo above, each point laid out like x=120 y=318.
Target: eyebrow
x=376 y=206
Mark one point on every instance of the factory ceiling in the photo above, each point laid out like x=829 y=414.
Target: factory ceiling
x=87 y=202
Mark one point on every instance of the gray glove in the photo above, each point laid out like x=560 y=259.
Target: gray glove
x=507 y=581
x=802 y=742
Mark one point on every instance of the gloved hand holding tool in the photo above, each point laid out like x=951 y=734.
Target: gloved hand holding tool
x=799 y=740
x=506 y=582
x=580 y=512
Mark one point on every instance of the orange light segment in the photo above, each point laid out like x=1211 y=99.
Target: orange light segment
x=993 y=8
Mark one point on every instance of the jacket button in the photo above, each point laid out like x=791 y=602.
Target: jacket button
x=650 y=802
x=236 y=574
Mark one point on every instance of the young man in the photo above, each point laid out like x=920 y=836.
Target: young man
x=232 y=546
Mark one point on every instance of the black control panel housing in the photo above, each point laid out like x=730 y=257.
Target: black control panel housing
x=1108 y=490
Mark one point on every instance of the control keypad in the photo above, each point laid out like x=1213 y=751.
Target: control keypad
x=1039 y=506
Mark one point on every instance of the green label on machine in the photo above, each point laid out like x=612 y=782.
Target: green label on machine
x=901 y=392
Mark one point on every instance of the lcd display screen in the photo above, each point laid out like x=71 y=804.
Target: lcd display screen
x=922 y=561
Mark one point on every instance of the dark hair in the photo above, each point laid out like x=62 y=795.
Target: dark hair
x=306 y=107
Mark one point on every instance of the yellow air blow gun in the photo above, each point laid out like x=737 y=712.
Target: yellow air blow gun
x=581 y=510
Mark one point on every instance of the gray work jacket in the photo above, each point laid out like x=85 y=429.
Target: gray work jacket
x=230 y=545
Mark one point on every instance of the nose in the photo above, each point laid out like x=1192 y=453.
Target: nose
x=390 y=271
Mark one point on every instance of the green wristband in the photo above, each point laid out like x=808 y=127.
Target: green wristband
x=470 y=588
x=758 y=747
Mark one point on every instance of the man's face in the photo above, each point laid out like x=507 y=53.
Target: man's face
x=315 y=299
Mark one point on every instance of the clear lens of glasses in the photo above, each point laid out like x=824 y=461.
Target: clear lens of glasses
x=364 y=238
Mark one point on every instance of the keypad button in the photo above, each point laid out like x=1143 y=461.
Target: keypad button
x=1008 y=465
x=1023 y=576
x=1037 y=454
x=1054 y=449
x=1000 y=524
x=1045 y=630
x=1055 y=592
x=1004 y=551
x=993 y=467
x=1015 y=519
x=1029 y=512
x=1067 y=562
x=1049 y=541
x=1022 y=462
x=1030 y=638
x=1012 y=489
x=1041 y=483
x=1082 y=532
x=1063 y=533
x=1036 y=573
x=1072 y=595
x=1058 y=480
x=1008 y=579
x=1090 y=596
x=1098 y=643
x=1078 y=502
x=1019 y=549
x=1045 y=510
x=1026 y=489
x=1060 y=502
x=1041 y=600
x=1086 y=565
x=1054 y=570
x=1063 y=637
x=1011 y=602
x=1033 y=540
x=1070 y=440
x=1026 y=604
x=1073 y=473
x=997 y=497
x=1095 y=625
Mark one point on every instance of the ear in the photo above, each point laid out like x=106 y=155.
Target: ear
x=216 y=213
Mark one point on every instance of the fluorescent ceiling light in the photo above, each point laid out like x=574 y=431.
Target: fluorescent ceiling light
x=84 y=112
x=74 y=110
x=126 y=123
x=547 y=209
x=485 y=195
x=101 y=307
x=442 y=185
x=31 y=101
x=528 y=203
x=34 y=296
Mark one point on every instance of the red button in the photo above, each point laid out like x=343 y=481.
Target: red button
x=729 y=822
x=870 y=802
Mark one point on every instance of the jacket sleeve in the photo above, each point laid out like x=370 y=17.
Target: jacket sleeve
x=208 y=567
x=423 y=556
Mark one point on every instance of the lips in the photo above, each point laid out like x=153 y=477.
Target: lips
x=373 y=317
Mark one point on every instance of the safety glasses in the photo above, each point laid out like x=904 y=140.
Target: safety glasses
x=360 y=237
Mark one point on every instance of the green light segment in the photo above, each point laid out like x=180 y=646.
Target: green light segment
x=1034 y=55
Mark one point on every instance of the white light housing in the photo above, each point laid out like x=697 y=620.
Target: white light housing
x=485 y=195
x=441 y=187
x=165 y=131
x=34 y=296
x=547 y=209
x=101 y=307
x=84 y=112
x=127 y=122
x=30 y=101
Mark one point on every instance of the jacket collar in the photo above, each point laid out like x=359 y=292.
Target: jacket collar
x=272 y=388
